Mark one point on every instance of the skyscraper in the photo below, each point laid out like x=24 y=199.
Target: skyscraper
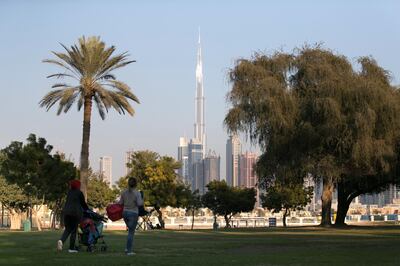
x=196 y=146
x=199 y=125
x=212 y=169
x=106 y=169
x=195 y=158
x=247 y=175
x=183 y=157
x=233 y=150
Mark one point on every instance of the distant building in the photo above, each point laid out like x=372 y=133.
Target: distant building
x=106 y=169
x=195 y=161
x=183 y=158
x=383 y=198
x=212 y=168
x=247 y=174
x=128 y=159
x=233 y=150
x=198 y=176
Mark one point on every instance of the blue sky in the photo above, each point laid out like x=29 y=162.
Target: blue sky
x=162 y=37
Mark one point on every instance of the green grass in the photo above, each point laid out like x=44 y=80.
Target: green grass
x=293 y=246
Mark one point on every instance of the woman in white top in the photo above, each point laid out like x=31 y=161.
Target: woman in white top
x=131 y=199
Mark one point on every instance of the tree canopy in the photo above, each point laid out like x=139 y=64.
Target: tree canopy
x=227 y=201
x=312 y=112
x=287 y=197
x=99 y=193
x=32 y=175
x=157 y=178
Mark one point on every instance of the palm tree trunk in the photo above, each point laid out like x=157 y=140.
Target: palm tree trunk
x=84 y=169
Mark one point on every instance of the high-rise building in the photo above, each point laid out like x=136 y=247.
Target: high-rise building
x=233 y=150
x=106 y=169
x=247 y=174
x=194 y=150
x=128 y=159
x=195 y=159
x=212 y=169
x=199 y=125
x=198 y=176
x=183 y=157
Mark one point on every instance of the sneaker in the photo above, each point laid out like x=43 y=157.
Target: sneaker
x=59 y=245
x=131 y=253
x=72 y=251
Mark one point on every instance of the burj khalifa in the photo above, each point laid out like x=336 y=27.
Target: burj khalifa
x=192 y=153
x=199 y=125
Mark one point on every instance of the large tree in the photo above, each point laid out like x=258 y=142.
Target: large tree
x=190 y=200
x=41 y=176
x=312 y=113
x=89 y=65
x=373 y=160
x=157 y=178
x=227 y=201
x=287 y=197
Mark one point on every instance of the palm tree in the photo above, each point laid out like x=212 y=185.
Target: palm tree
x=89 y=64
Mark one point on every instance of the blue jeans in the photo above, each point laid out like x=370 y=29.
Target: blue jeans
x=131 y=219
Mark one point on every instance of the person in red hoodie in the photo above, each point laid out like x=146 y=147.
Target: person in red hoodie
x=72 y=213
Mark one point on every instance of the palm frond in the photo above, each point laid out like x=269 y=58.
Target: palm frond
x=122 y=103
x=50 y=99
x=62 y=75
x=100 y=106
x=61 y=64
x=80 y=101
x=58 y=85
x=70 y=102
x=124 y=89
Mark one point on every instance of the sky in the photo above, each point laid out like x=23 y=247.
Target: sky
x=162 y=37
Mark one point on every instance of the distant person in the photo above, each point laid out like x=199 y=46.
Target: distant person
x=131 y=199
x=72 y=213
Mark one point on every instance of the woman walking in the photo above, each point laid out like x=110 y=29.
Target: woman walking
x=131 y=199
x=72 y=212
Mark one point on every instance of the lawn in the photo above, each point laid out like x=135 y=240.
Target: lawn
x=262 y=246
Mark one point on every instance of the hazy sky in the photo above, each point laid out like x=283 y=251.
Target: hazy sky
x=162 y=37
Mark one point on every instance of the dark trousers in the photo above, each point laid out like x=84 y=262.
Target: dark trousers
x=71 y=225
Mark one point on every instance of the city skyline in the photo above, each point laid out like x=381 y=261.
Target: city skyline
x=162 y=38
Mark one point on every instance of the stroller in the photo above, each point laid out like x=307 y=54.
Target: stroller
x=90 y=231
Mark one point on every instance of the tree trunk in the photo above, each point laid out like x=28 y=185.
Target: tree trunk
x=192 y=219
x=2 y=215
x=160 y=218
x=15 y=218
x=284 y=217
x=84 y=167
x=37 y=220
x=326 y=201
x=227 y=221
x=215 y=225
x=344 y=201
x=53 y=220
x=343 y=207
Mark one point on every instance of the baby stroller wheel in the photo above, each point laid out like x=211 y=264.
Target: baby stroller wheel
x=103 y=248
x=90 y=248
